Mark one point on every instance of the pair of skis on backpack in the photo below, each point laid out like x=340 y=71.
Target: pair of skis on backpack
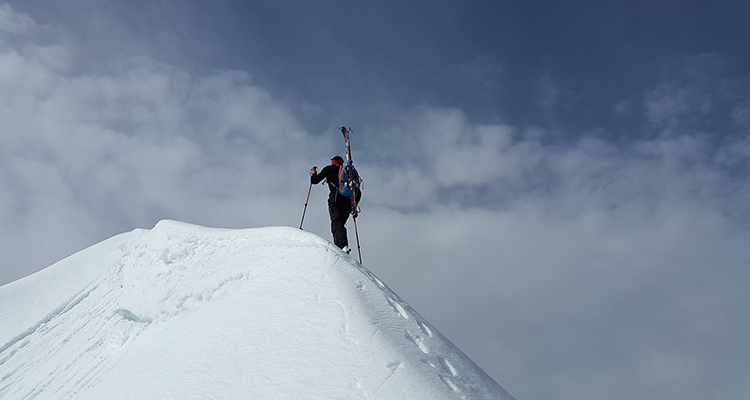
x=349 y=180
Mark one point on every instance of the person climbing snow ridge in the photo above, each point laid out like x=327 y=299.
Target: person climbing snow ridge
x=339 y=206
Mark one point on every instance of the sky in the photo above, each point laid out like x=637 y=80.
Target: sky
x=579 y=170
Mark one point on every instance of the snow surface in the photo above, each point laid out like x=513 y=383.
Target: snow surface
x=187 y=312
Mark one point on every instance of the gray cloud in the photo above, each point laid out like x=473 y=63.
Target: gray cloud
x=621 y=259
x=12 y=22
x=582 y=268
x=84 y=156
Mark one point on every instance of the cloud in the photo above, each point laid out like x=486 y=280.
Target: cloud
x=558 y=266
x=698 y=93
x=485 y=70
x=549 y=93
x=85 y=156
x=490 y=166
x=636 y=246
x=13 y=22
x=666 y=104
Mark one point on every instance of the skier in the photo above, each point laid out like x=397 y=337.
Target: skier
x=339 y=207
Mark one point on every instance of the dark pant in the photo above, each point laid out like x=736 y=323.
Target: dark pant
x=339 y=210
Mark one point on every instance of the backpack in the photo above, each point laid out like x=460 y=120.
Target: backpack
x=345 y=186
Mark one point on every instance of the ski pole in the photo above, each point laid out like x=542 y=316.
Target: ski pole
x=356 y=234
x=306 y=201
x=354 y=218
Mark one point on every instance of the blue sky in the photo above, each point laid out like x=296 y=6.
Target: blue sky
x=561 y=189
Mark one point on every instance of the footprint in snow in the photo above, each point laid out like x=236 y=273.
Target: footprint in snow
x=398 y=308
x=419 y=342
x=426 y=329
x=449 y=382
x=447 y=366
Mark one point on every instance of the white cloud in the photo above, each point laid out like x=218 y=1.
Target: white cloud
x=398 y=187
x=144 y=141
x=587 y=239
x=571 y=247
x=666 y=104
x=696 y=94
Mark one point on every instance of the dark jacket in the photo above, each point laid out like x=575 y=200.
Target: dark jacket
x=331 y=174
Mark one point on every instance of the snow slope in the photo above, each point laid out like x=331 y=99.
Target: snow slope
x=187 y=312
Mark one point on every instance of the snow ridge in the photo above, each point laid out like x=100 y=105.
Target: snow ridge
x=183 y=311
